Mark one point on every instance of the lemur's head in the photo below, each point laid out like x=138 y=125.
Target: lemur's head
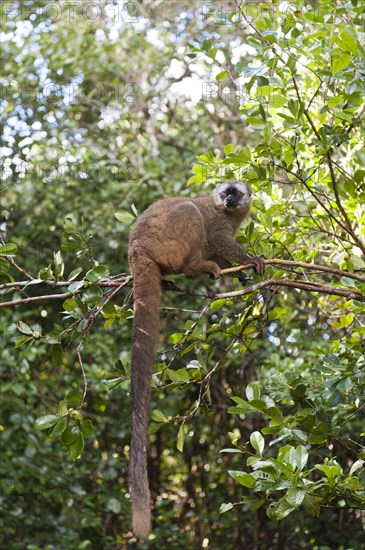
x=233 y=194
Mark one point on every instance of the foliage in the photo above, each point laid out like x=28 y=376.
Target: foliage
x=258 y=394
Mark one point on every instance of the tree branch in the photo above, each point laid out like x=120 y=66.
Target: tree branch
x=21 y=301
x=301 y=285
x=289 y=263
x=309 y=286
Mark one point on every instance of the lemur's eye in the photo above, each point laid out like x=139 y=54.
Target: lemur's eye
x=239 y=194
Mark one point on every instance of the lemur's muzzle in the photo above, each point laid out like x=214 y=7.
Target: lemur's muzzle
x=229 y=201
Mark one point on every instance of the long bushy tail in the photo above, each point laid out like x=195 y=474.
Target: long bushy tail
x=147 y=290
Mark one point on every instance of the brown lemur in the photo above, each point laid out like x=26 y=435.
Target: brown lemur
x=175 y=235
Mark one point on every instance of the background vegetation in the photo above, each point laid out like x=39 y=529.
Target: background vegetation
x=257 y=439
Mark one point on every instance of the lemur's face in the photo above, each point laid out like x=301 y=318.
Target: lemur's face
x=233 y=194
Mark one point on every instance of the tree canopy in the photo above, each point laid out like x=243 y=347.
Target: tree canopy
x=257 y=433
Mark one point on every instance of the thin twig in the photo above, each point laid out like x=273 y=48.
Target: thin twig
x=317 y=267
x=300 y=285
x=91 y=320
x=205 y=382
x=178 y=346
x=328 y=156
x=15 y=265
x=39 y=299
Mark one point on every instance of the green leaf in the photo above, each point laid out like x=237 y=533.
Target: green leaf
x=18 y=389
x=87 y=428
x=312 y=505
x=246 y=480
x=295 y=497
x=256 y=123
x=272 y=429
x=73 y=398
x=73 y=287
x=74 y=273
x=239 y=410
x=179 y=375
x=124 y=216
x=46 y=273
x=199 y=169
x=225 y=507
x=70 y=434
x=331 y=469
x=262 y=81
x=112 y=383
x=347 y=42
x=332 y=359
x=340 y=61
x=293 y=106
x=21 y=340
x=62 y=409
x=5 y=277
x=46 y=421
x=195 y=179
x=286 y=469
x=221 y=76
x=240 y=401
x=359 y=176
x=257 y=442
x=218 y=304
x=175 y=338
x=9 y=249
x=24 y=328
x=77 y=447
x=335 y=101
x=259 y=405
x=97 y=273
x=158 y=416
x=301 y=456
x=245 y=154
x=53 y=338
x=346 y=281
x=279 y=510
x=356 y=466
x=277 y=101
x=253 y=391
x=59 y=428
x=229 y=148
x=180 y=438
x=109 y=309
x=256 y=504
x=70 y=304
x=114 y=505
x=58 y=264
x=93 y=295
